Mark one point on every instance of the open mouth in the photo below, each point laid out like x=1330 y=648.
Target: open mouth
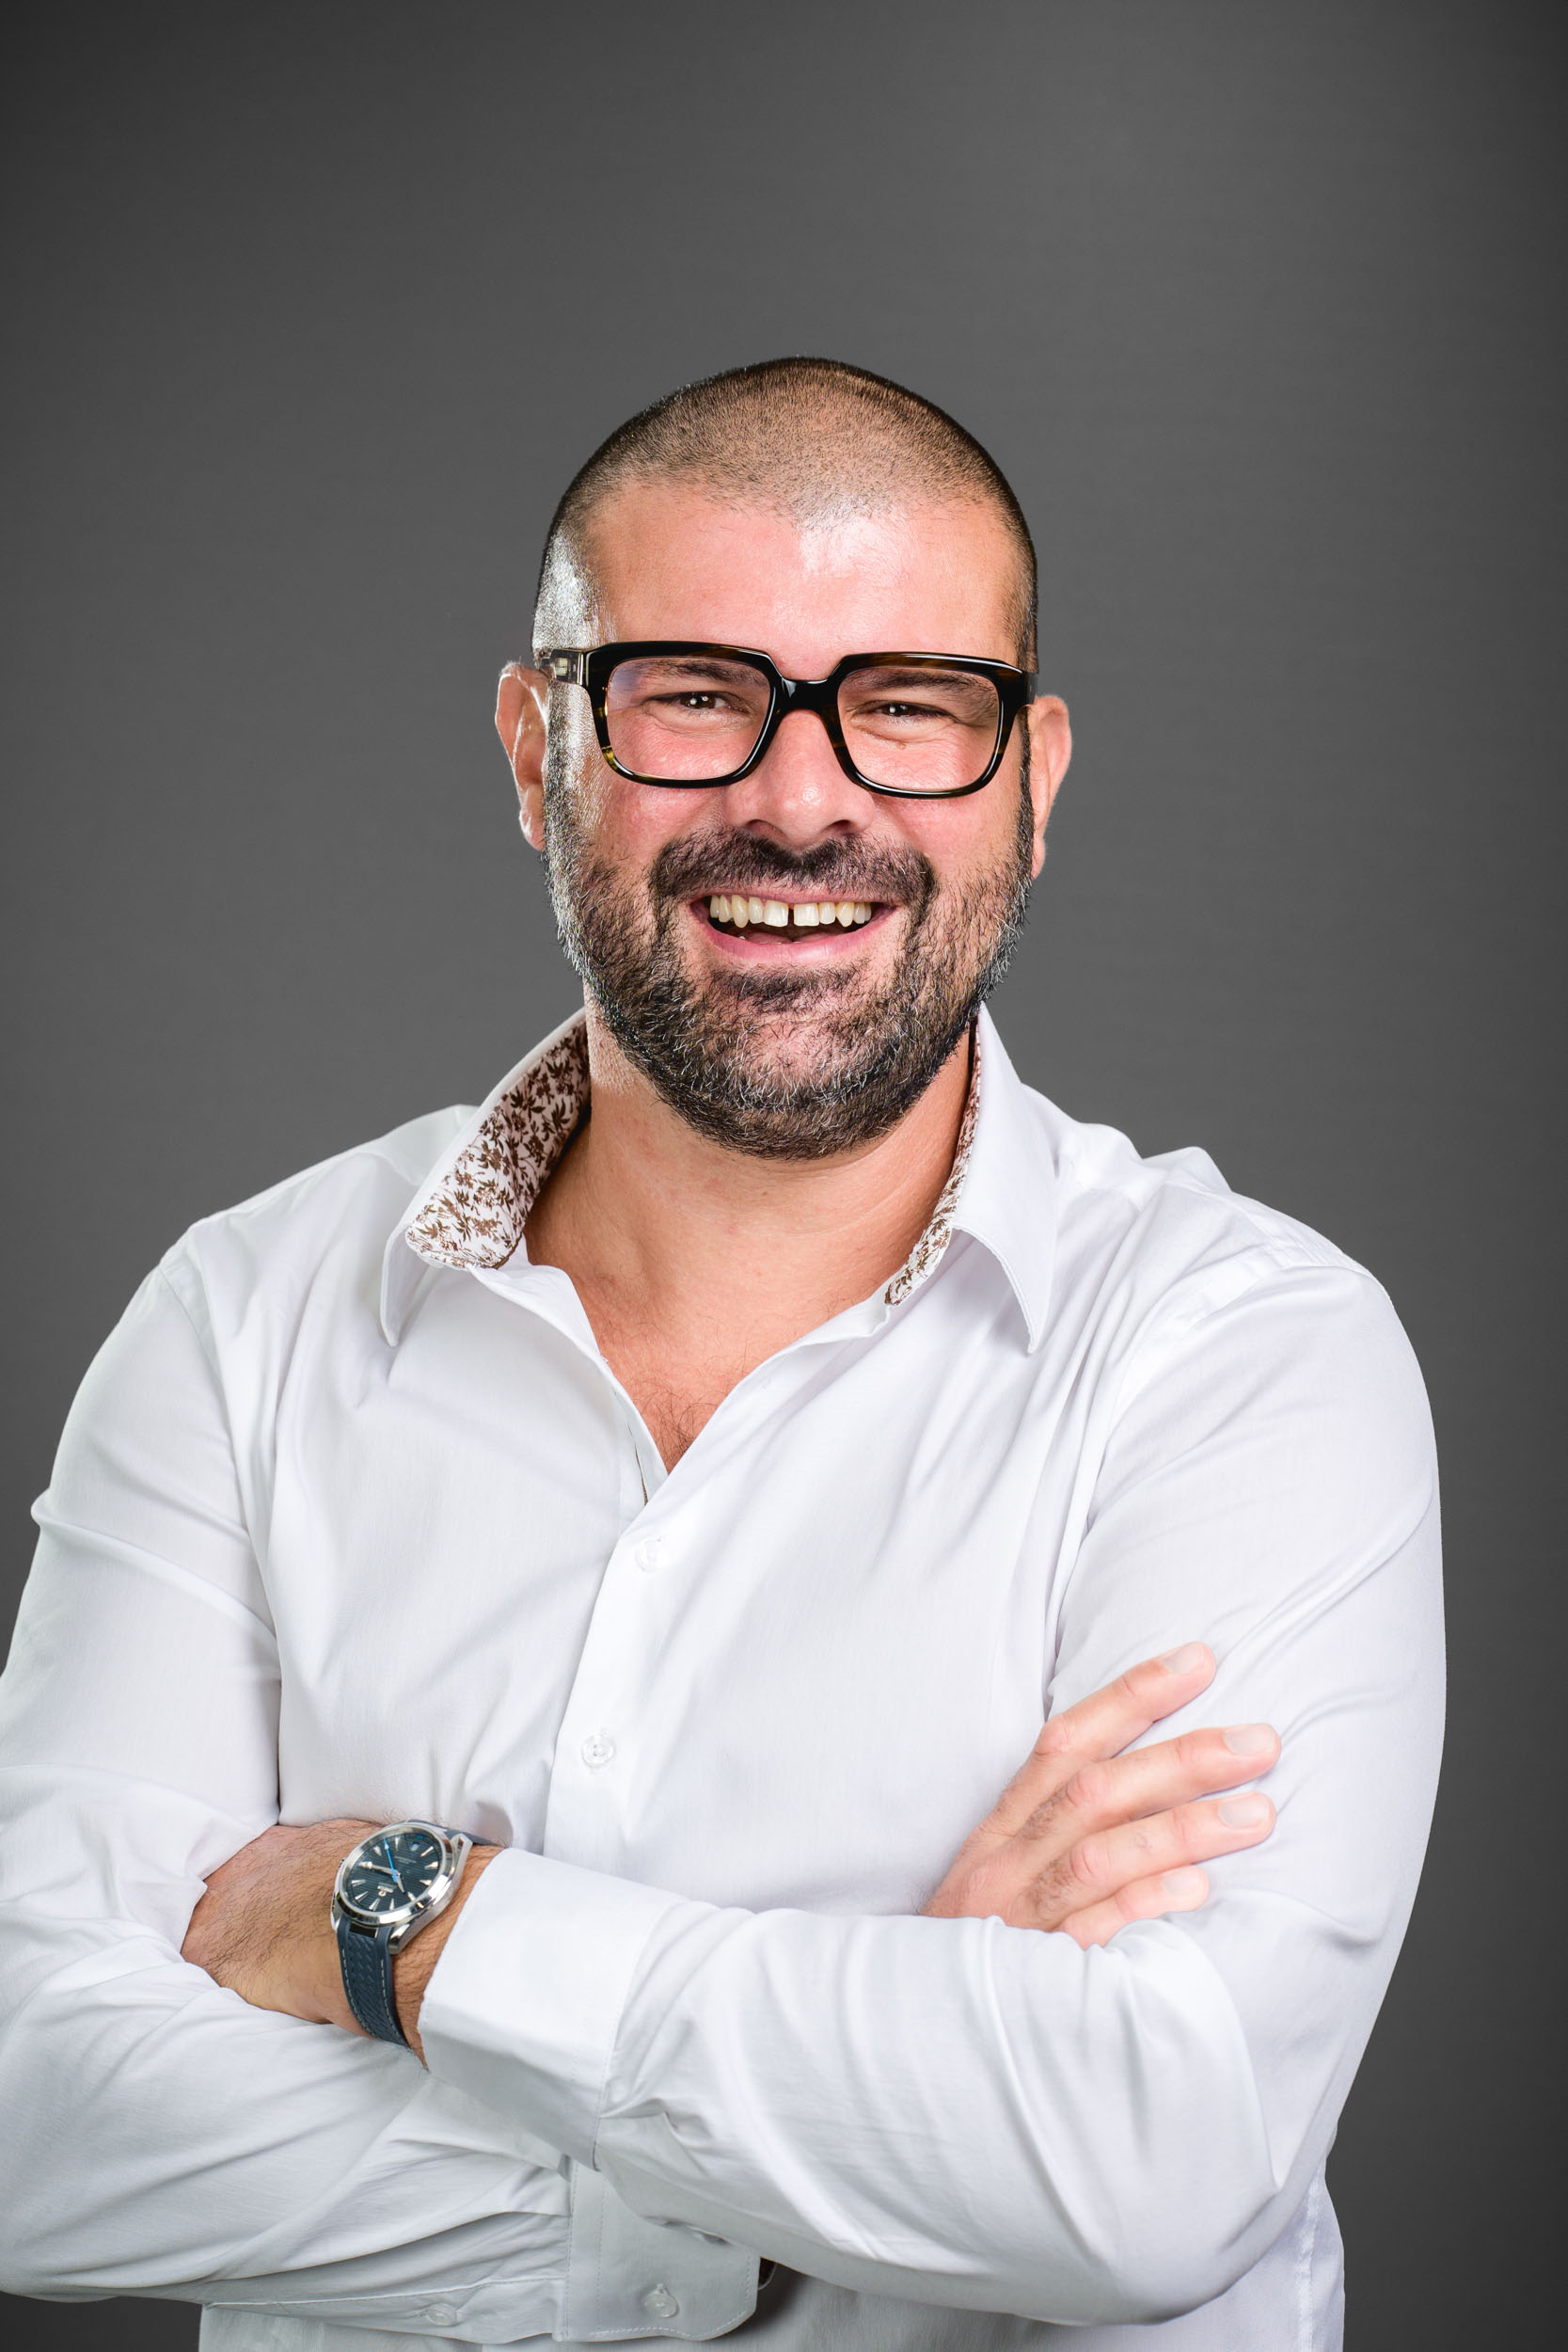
x=783 y=918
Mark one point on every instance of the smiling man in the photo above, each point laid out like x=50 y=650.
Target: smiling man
x=502 y=1755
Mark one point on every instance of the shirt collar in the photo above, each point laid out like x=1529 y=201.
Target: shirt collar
x=472 y=1208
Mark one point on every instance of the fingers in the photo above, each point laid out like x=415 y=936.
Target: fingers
x=1145 y=1898
x=1100 y=1795
x=1101 y=1726
x=1105 y=1866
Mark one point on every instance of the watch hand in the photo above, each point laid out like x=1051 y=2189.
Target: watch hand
x=397 y=1878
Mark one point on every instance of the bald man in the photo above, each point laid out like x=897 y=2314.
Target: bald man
x=527 y=1807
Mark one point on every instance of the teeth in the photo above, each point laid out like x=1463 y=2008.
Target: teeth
x=725 y=907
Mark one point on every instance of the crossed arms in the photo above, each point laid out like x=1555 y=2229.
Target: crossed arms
x=1084 y=1839
x=1028 y=2147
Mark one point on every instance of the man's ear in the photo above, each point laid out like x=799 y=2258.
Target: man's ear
x=521 y=700
x=1050 y=750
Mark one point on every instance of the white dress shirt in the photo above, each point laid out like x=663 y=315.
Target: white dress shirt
x=352 y=1518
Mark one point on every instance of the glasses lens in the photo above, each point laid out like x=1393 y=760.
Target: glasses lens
x=921 y=730
x=684 y=717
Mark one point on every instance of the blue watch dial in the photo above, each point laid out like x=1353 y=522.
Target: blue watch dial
x=393 y=1873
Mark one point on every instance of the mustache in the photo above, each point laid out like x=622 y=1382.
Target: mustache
x=700 y=864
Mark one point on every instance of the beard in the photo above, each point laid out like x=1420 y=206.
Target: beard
x=782 y=1065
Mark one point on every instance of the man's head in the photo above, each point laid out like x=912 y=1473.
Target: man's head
x=810 y=439
x=810 y=511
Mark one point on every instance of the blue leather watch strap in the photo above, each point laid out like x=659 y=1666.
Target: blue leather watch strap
x=367 y=1965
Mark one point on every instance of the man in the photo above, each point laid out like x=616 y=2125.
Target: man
x=692 y=1478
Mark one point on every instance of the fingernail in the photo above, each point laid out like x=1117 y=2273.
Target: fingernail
x=1250 y=1739
x=1182 y=1660
x=1245 y=1812
x=1185 y=1885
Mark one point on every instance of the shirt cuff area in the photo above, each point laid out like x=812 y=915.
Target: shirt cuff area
x=521 y=2011
x=523 y=2005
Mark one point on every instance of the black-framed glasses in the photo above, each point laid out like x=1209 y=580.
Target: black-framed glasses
x=676 y=712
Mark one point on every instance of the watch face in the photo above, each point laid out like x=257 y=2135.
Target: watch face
x=392 y=1874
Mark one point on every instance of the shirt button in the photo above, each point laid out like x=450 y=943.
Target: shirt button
x=650 y=1553
x=659 y=2303
x=596 y=1750
x=440 y=2314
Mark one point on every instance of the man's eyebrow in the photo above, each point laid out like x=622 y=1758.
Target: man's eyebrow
x=704 y=664
x=899 y=674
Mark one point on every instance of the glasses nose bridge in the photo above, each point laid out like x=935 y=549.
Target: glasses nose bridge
x=817 y=694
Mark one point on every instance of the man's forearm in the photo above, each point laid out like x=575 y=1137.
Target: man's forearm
x=263 y=1927
x=162 y=2138
x=953 y=2111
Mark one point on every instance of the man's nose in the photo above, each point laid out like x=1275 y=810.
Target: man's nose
x=797 y=793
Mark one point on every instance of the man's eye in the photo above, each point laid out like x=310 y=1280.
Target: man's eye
x=699 y=703
x=903 y=710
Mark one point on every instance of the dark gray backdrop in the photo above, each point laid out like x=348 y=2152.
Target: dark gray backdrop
x=314 y=311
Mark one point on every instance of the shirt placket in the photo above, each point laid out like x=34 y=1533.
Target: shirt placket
x=591 y=1768
x=596 y=1753
x=626 y=2275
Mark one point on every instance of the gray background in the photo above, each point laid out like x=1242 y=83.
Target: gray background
x=313 y=311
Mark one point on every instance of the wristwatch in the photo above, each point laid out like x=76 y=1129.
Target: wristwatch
x=387 y=1888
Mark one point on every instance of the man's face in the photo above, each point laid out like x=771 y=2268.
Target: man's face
x=774 y=1041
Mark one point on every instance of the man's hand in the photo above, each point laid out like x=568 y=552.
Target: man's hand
x=1085 y=1838
x=265 y=1927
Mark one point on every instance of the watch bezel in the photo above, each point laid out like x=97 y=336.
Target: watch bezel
x=403 y=1918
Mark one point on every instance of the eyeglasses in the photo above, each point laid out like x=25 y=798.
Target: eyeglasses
x=924 y=726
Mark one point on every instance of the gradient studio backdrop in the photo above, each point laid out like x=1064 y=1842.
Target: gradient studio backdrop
x=314 y=309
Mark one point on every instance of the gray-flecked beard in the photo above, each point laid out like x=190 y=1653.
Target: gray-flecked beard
x=704 y=1042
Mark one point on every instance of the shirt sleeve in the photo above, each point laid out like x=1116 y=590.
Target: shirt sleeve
x=163 y=2136
x=966 y=2114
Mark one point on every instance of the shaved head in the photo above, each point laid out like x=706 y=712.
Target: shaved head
x=812 y=440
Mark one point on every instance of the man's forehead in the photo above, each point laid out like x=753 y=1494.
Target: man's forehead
x=670 y=559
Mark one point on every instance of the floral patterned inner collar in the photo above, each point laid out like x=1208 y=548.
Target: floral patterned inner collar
x=475 y=1216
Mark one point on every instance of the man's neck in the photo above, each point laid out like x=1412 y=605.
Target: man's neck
x=694 y=1263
